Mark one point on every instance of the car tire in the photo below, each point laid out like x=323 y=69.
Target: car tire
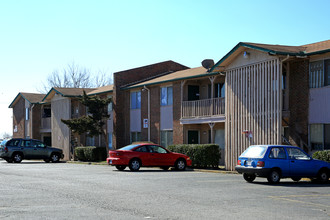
x=274 y=176
x=180 y=164
x=249 y=177
x=55 y=158
x=120 y=167
x=323 y=176
x=165 y=168
x=134 y=164
x=17 y=157
x=296 y=179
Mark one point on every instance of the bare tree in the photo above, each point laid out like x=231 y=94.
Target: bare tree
x=75 y=76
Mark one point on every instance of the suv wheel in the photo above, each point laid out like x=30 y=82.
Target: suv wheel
x=17 y=157
x=55 y=158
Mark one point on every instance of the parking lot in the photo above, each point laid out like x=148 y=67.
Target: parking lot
x=37 y=190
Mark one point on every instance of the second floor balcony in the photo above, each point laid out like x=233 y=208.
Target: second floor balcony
x=205 y=108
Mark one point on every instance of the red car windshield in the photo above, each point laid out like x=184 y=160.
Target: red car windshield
x=129 y=147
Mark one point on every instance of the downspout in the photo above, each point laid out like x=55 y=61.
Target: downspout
x=31 y=119
x=148 y=111
x=281 y=95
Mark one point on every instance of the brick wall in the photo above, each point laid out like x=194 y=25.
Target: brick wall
x=121 y=99
x=36 y=123
x=19 y=119
x=178 y=135
x=299 y=99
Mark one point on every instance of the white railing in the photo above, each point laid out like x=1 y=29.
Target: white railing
x=45 y=123
x=203 y=108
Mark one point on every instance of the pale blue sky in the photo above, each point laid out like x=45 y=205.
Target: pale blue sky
x=38 y=37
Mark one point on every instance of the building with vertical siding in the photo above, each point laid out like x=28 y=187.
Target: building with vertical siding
x=255 y=94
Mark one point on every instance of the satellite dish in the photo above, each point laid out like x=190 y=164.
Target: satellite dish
x=207 y=63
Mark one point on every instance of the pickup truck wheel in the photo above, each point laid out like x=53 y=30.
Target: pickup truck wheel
x=55 y=158
x=17 y=157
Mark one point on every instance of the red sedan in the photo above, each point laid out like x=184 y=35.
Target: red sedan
x=147 y=155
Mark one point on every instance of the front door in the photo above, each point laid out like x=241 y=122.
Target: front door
x=193 y=137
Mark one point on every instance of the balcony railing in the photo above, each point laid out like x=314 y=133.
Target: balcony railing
x=203 y=108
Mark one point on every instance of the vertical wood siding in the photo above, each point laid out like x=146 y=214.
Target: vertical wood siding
x=253 y=103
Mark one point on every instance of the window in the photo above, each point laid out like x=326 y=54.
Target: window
x=142 y=149
x=110 y=140
x=320 y=136
x=110 y=107
x=319 y=74
x=166 y=138
x=157 y=149
x=295 y=153
x=219 y=90
x=27 y=115
x=46 y=113
x=277 y=153
x=90 y=141
x=166 y=95
x=135 y=100
x=135 y=136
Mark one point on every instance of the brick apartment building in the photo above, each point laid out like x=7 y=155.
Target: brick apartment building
x=255 y=94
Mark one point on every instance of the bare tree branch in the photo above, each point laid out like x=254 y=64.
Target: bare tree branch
x=75 y=76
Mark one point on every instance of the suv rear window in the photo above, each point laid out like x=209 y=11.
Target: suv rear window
x=13 y=142
x=255 y=152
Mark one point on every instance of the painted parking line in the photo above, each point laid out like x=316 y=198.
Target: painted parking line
x=294 y=199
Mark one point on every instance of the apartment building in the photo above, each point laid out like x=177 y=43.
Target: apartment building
x=276 y=94
x=256 y=94
x=31 y=119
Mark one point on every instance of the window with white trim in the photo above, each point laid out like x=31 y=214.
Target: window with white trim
x=320 y=136
x=166 y=96
x=136 y=100
x=319 y=73
x=135 y=136
x=166 y=138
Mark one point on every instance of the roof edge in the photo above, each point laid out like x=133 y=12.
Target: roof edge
x=167 y=81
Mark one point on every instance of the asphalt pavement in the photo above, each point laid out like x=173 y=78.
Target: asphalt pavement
x=38 y=190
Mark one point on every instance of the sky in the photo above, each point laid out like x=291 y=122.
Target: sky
x=39 y=37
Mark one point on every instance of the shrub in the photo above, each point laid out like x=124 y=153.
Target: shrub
x=91 y=153
x=202 y=155
x=322 y=155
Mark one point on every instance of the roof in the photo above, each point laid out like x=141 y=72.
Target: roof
x=319 y=47
x=32 y=98
x=175 y=76
x=66 y=92
x=101 y=90
x=304 y=50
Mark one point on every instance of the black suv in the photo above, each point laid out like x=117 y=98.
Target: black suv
x=17 y=149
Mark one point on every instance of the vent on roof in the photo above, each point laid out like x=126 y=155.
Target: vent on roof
x=208 y=63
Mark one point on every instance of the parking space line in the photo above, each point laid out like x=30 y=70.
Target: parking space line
x=290 y=198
